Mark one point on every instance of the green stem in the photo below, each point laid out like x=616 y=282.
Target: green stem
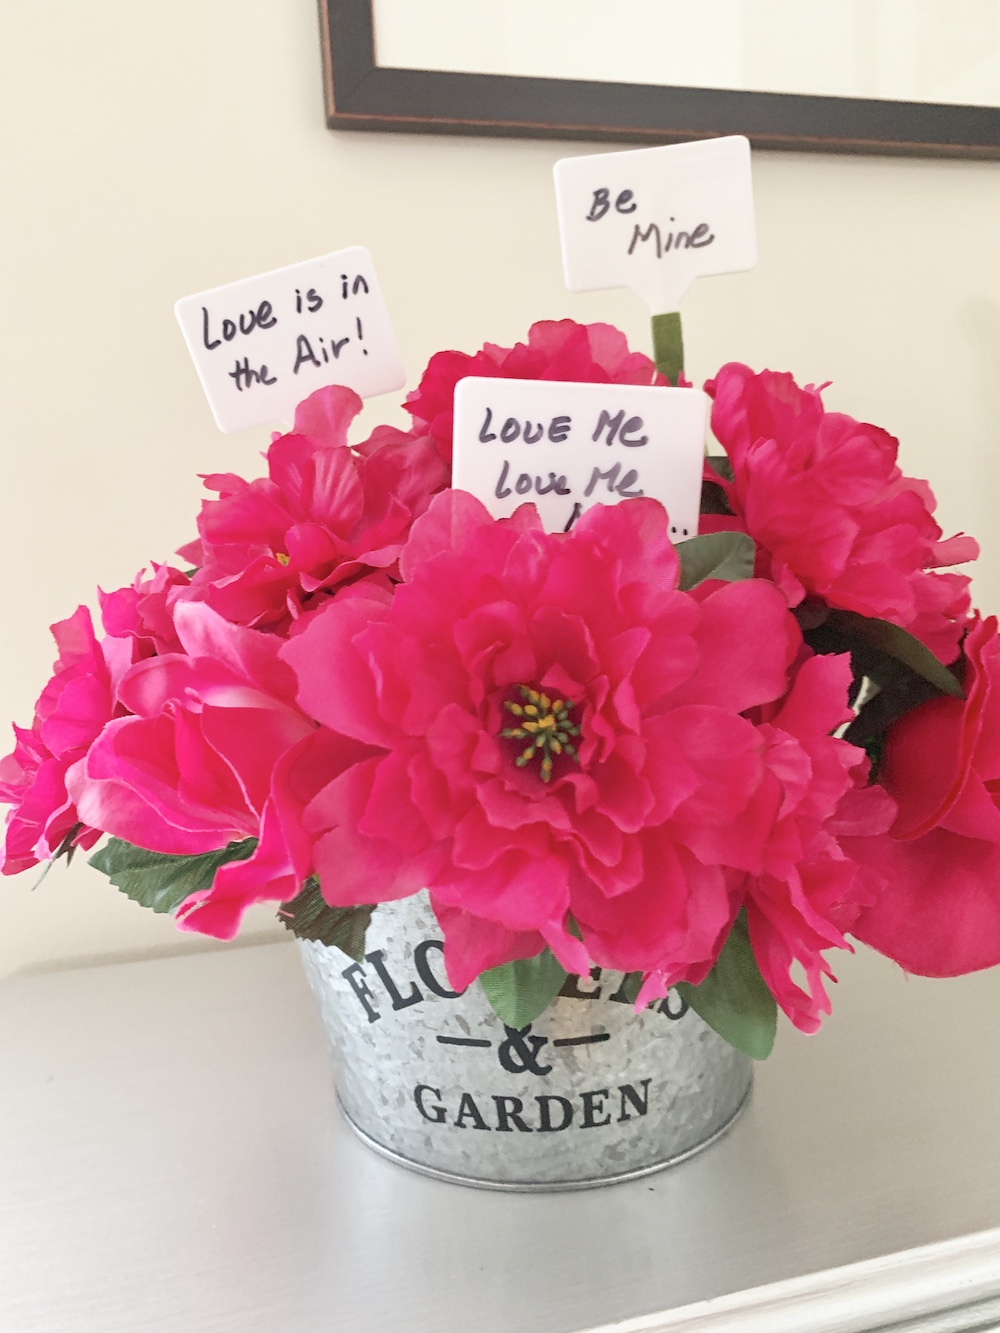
x=668 y=345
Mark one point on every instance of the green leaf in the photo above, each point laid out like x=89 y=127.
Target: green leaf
x=68 y=845
x=810 y=613
x=632 y=985
x=518 y=992
x=902 y=672
x=309 y=916
x=716 y=555
x=734 y=998
x=668 y=345
x=878 y=714
x=713 y=500
x=885 y=653
x=162 y=882
x=713 y=496
x=720 y=465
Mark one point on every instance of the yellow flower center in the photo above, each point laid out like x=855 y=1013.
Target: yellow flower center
x=545 y=724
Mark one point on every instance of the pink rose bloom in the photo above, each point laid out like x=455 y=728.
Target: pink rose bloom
x=830 y=511
x=555 y=350
x=190 y=770
x=143 y=613
x=546 y=729
x=324 y=516
x=807 y=890
x=939 y=914
x=70 y=714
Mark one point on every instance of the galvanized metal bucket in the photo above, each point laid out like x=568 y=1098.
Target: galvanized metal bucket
x=588 y=1094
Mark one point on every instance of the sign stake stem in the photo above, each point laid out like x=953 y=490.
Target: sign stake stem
x=668 y=345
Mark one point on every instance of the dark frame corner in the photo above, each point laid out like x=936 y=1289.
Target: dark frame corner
x=362 y=96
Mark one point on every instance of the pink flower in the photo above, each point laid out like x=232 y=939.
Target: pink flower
x=555 y=350
x=807 y=891
x=324 y=516
x=637 y=690
x=831 y=512
x=939 y=914
x=70 y=714
x=143 y=613
x=190 y=769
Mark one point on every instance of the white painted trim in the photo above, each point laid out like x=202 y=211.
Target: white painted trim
x=958 y=1279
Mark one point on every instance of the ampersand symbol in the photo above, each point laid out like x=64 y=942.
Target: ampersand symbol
x=519 y=1053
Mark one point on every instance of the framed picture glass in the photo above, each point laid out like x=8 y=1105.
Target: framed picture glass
x=890 y=76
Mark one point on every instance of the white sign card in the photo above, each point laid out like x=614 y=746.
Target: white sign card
x=262 y=345
x=567 y=446
x=654 y=219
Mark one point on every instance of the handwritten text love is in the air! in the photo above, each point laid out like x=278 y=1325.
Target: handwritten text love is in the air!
x=262 y=345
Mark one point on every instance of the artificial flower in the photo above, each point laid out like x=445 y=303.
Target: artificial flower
x=190 y=768
x=143 y=612
x=833 y=516
x=555 y=350
x=268 y=550
x=808 y=892
x=553 y=738
x=70 y=714
x=939 y=915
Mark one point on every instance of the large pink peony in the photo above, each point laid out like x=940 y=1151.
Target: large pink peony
x=324 y=516
x=190 y=768
x=940 y=912
x=548 y=732
x=70 y=714
x=555 y=350
x=832 y=514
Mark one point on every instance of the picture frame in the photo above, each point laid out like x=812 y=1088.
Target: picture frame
x=362 y=95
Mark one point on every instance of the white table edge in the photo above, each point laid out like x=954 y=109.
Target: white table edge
x=959 y=1278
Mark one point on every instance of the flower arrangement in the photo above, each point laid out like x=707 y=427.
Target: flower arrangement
x=704 y=765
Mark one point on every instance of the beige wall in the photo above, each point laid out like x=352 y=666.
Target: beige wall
x=150 y=151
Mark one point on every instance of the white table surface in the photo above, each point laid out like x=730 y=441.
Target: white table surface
x=172 y=1159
